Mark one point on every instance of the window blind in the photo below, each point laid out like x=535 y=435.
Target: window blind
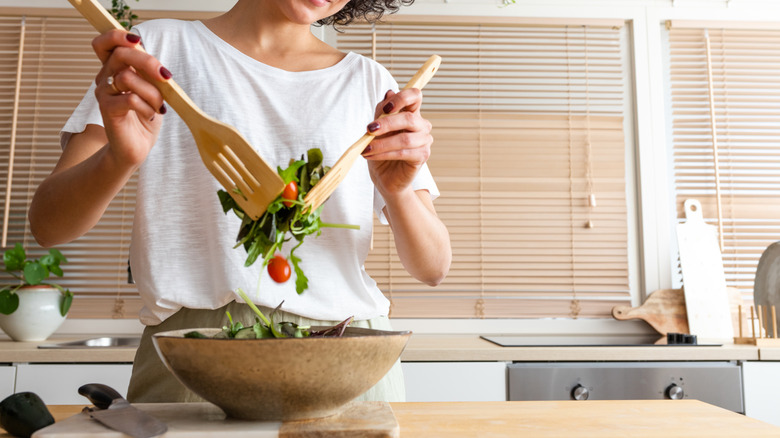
x=734 y=143
x=529 y=156
x=57 y=67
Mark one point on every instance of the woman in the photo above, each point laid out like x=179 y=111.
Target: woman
x=258 y=68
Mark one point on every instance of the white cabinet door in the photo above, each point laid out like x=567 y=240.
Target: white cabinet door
x=761 y=386
x=58 y=384
x=455 y=381
x=7 y=380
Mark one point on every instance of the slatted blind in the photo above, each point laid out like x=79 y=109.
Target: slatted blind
x=745 y=88
x=58 y=65
x=530 y=158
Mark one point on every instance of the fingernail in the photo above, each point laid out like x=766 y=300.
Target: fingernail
x=163 y=109
x=373 y=126
x=133 y=38
x=165 y=73
x=389 y=107
x=367 y=149
x=152 y=119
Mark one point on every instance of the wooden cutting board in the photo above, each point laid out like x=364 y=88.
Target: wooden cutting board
x=665 y=311
x=205 y=420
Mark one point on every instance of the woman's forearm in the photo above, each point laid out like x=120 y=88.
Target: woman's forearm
x=421 y=238
x=71 y=200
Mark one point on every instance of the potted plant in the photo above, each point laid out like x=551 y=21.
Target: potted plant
x=33 y=309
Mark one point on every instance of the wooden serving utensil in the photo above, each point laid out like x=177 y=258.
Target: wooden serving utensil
x=227 y=155
x=325 y=187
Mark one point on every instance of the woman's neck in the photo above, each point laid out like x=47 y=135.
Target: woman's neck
x=263 y=33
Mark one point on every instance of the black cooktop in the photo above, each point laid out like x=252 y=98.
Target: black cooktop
x=582 y=341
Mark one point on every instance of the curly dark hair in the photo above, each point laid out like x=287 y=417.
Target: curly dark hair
x=369 y=10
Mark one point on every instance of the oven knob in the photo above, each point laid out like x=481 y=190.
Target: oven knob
x=580 y=392
x=674 y=392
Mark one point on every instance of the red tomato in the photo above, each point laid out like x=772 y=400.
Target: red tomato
x=290 y=192
x=279 y=269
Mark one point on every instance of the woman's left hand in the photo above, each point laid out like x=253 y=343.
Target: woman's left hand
x=402 y=144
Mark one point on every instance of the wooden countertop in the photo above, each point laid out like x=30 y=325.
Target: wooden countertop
x=26 y=352
x=769 y=353
x=603 y=419
x=423 y=348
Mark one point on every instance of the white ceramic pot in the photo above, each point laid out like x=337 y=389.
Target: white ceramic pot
x=38 y=315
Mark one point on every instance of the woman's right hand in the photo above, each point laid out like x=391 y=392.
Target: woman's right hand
x=131 y=106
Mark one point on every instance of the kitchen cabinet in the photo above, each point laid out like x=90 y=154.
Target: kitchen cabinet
x=761 y=387
x=7 y=380
x=59 y=383
x=455 y=381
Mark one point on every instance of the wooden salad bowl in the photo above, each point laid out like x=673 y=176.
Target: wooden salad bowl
x=281 y=379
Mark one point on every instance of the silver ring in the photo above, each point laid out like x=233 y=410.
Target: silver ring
x=112 y=83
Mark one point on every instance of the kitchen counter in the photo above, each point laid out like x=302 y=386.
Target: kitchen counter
x=603 y=419
x=428 y=348
x=28 y=352
x=769 y=353
x=473 y=348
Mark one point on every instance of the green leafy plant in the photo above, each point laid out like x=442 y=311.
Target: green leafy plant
x=31 y=272
x=286 y=218
x=123 y=14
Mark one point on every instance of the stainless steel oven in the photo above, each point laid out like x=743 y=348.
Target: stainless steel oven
x=717 y=383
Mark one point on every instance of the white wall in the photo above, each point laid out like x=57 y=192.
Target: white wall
x=656 y=251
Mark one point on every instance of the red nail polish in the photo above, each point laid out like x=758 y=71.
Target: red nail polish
x=165 y=73
x=366 y=150
x=163 y=109
x=133 y=38
x=389 y=107
x=373 y=126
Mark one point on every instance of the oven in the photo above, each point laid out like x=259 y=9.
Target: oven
x=716 y=383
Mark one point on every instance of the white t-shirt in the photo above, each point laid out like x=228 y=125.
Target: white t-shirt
x=182 y=252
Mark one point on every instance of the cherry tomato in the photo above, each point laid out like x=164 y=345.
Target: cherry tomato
x=279 y=269
x=290 y=192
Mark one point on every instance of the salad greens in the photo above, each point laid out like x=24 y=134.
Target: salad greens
x=265 y=327
x=285 y=219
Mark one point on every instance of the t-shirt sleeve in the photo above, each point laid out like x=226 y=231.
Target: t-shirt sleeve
x=423 y=181
x=86 y=113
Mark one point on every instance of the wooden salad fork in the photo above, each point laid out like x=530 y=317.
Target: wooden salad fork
x=227 y=155
x=325 y=187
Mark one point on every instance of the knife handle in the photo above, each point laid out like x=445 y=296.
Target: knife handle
x=99 y=394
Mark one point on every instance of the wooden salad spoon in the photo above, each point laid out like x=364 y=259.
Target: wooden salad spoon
x=325 y=187
x=226 y=153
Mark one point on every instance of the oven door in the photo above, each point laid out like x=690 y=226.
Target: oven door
x=717 y=383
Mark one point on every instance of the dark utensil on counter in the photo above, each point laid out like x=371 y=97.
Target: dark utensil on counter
x=23 y=413
x=117 y=413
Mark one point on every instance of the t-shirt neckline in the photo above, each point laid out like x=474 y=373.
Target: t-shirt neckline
x=343 y=64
